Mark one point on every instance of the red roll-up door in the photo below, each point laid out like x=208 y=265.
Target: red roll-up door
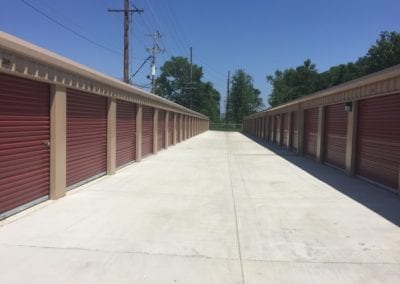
x=276 y=129
x=171 y=128
x=265 y=128
x=126 y=132
x=147 y=131
x=24 y=134
x=294 y=132
x=178 y=129
x=184 y=132
x=310 y=131
x=285 y=129
x=335 y=135
x=270 y=128
x=161 y=130
x=378 y=143
x=86 y=136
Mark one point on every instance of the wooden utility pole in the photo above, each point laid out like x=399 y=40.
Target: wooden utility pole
x=227 y=96
x=127 y=12
x=191 y=78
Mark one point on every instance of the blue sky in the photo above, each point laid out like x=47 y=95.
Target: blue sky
x=257 y=36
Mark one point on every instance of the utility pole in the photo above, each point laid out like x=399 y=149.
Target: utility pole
x=127 y=12
x=189 y=87
x=153 y=53
x=191 y=78
x=227 y=96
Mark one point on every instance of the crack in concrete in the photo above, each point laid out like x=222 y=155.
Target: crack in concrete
x=203 y=256
x=228 y=153
x=323 y=262
x=197 y=255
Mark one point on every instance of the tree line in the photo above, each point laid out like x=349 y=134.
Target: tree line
x=293 y=83
x=176 y=84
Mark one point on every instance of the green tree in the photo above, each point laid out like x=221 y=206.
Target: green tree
x=244 y=99
x=303 y=80
x=174 y=84
x=383 y=54
x=293 y=83
x=208 y=101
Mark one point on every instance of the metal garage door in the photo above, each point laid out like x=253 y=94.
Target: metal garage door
x=86 y=136
x=294 y=132
x=147 y=131
x=285 y=129
x=310 y=131
x=335 y=135
x=270 y=128
x=161 y=130
x=24 y=134
x=171 y=128
x=126 y=132
x=277 y=129
x=378 y=144
x=179 y=127
x=184 y=130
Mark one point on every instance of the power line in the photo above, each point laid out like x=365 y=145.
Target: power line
x=55 y=21
x=141 y=66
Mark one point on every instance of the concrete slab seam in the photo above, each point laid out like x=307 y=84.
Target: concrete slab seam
x=234 y=207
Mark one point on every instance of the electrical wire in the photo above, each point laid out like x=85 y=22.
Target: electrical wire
x=141 y=66
x=55 y=21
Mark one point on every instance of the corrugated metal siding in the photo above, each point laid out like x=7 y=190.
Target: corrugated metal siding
x=161 y=130
x=24 y=128
x=147 y=131
x=86 y=136
x=285 y=129
x=310 y=131
x=295 y=132
x=335 y=135
x=171 y=129
x=126 y=132
x=378 y=143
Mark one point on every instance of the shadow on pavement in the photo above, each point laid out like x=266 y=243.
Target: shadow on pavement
x=377 y=199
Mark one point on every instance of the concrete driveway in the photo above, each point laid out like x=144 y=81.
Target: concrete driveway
x=218 y=208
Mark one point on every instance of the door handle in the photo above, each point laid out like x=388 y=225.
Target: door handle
x=46 y=143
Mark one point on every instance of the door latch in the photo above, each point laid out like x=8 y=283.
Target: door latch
x=46 y=144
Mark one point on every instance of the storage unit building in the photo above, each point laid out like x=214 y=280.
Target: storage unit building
x=63 y=124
